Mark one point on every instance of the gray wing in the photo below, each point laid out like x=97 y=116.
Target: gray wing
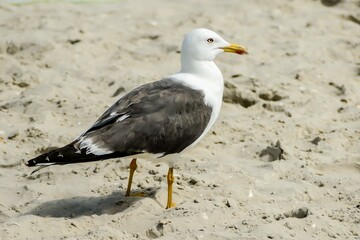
x=161 y=117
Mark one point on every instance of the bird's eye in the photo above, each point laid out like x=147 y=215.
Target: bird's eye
x=210 y=40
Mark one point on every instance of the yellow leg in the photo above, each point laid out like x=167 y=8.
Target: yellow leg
x=170 y=181
x=133 y=167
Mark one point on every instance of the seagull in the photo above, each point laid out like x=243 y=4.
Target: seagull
x=158 y=120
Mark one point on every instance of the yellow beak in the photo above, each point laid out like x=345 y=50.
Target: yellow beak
x=235 y=48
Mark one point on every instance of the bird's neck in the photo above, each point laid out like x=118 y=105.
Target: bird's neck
x=204 y=69
x=203 y=75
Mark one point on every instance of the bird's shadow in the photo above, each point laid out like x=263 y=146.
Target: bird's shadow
x=87 y=206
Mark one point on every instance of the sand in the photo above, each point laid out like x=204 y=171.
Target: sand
x=282 y=161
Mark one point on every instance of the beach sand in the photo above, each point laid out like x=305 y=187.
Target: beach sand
x=282 y=161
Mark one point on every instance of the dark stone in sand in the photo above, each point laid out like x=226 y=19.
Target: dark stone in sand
x=275 y=152
x=330 y=3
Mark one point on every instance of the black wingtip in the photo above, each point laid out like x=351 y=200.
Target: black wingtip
x=30 y=163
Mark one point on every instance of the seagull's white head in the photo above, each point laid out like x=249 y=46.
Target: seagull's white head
x=204 y=45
